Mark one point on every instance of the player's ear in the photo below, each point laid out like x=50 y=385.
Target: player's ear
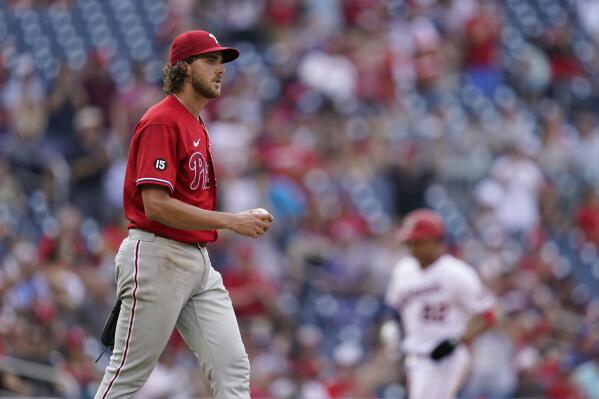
x=187 y=69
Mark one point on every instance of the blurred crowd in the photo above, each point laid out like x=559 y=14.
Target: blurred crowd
x=340 y=117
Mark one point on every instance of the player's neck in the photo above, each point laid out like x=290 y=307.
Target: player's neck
x=428 y=262
x=192 y=101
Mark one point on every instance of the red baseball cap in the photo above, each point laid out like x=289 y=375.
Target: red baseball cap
x=198 y=42
x=421 y=224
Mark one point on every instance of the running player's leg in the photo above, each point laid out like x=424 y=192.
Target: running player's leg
x=439 y=380
x=420 y=375
x=460 y=368
x=208 y=325
x=150 y=306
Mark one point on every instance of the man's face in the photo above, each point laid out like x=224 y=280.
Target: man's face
x=424 y=250
x=207 y=74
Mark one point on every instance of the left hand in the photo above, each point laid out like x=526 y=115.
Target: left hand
x=444 y=349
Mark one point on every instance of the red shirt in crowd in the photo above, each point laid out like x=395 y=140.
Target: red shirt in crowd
x=482 y=41
x=587 y=219
x=170 y=148
x=250 y=291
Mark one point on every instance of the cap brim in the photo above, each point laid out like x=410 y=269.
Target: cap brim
x=229 y=53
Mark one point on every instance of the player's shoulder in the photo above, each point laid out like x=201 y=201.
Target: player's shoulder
x=455 y=266
x=163 y=113
x=448 y=260
x=406 y=265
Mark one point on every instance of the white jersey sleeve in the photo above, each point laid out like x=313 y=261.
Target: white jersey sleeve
x=396 y=284
x=392 y=294
x=471 y=294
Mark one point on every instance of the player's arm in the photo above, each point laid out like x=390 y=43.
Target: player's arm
x=391 y=327
x=477 y=301
x=162 y=208
x=478 y=324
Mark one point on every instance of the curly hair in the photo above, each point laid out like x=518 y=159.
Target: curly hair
x=173 y=76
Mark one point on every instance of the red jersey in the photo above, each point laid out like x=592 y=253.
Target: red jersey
x=170 y=148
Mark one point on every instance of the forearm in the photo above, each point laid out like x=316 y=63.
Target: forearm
x=179 y=215
x=478 y=325
x=160 y=207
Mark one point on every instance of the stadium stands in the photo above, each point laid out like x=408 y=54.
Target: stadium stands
x=343 y=115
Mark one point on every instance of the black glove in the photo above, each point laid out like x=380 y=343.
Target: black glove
x=109 y=331
x=444 y=349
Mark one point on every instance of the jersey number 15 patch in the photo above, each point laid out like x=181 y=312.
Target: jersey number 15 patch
x=160 y=164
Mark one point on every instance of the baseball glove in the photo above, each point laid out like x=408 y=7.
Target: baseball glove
x=109 y=330
x=444 y=349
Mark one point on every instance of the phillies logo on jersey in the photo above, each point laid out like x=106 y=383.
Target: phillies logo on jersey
x=199 y=166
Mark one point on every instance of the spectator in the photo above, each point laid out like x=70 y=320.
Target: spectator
x=521 y=181
x=586 y=145
x=66 y=96
x=408 y=181
x=100 y=88
x=252 y=293
x=347 y=356
x=89 y=160
x=78 y=363
x=130 y=105
x=482 y=49
x=65 y=244
x=586 y=376
x=587 y=216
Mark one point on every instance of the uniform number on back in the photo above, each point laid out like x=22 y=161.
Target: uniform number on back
x=160 y=164
x=434 y=312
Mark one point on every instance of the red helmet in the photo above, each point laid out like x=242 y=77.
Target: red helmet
x=421 y=224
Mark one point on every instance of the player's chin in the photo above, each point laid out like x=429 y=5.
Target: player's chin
x=211 y=92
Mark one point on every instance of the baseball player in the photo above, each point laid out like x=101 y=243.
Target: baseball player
x=442 y=305
x=163 y=272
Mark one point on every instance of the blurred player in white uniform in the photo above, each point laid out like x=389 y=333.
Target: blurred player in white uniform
x=442 y=305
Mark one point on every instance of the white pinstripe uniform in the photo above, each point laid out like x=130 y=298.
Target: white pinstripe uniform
x=435 y=304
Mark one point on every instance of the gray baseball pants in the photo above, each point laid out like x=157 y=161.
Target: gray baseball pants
x=165 y=284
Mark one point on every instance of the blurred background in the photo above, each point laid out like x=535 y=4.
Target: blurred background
x=340 y=116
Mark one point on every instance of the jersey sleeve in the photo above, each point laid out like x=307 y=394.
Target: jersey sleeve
x=157 y=157
x=392 y=295
x=472 y=295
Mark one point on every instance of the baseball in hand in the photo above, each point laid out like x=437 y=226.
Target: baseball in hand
x=260 y=211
